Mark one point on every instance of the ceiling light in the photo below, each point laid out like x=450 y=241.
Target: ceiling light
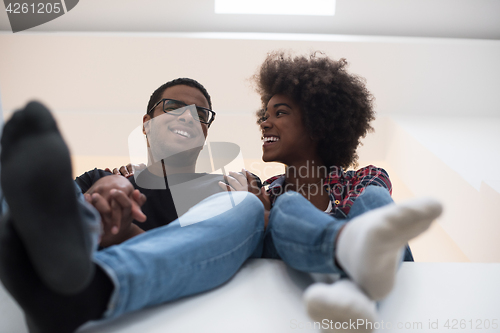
x=276 y=7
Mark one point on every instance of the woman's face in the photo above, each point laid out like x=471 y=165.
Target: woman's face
x=284 y=134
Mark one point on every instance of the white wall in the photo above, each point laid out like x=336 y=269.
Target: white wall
x=431 y=164
x=114 y=74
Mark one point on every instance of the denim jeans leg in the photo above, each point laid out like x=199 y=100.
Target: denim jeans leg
x=171 y=262
x=91 y=220
x=303 y=235
x=372 y=197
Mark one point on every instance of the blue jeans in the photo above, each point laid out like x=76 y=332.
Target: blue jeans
x=305 y=237
x=171 y=262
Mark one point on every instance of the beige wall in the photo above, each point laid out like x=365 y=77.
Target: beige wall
x=98 y=86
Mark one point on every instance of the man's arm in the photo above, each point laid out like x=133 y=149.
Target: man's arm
x=89 y=178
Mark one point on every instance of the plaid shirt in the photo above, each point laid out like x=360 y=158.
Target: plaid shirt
x=343 y=187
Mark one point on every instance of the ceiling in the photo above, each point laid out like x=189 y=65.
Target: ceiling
x=472 y=19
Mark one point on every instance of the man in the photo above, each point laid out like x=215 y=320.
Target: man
x=47 y=242
x=175 y=125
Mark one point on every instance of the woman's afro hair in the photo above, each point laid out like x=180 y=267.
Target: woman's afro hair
x=336 y=106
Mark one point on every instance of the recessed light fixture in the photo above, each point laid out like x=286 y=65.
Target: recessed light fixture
x=276 y=7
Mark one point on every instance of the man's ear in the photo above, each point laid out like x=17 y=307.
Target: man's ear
x=145 y=118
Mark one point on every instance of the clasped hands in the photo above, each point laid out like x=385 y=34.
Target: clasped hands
x=119 y=204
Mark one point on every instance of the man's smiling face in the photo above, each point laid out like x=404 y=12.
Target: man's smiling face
x=172 y=134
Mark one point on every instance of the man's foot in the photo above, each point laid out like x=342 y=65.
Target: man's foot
x=342 y=304
x=45 y=310
x=37 y=182
x=369 y=248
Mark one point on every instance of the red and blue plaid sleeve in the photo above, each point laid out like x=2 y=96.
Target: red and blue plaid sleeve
x=347 y=186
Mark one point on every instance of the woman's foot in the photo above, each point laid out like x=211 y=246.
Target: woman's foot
x=370 y=247
x=340 y=307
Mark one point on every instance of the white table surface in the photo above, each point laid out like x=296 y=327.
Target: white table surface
x=266 y=296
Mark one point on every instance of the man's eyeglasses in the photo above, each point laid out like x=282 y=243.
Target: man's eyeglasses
x=174 y=107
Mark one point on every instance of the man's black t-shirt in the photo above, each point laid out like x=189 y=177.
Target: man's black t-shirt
x=167 y=199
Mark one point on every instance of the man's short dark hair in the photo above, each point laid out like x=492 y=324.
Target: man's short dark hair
x=156 y=96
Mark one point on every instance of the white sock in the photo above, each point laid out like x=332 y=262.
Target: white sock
x=342 y=304
x=370 y=246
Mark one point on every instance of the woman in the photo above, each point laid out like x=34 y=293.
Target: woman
x=313 y=117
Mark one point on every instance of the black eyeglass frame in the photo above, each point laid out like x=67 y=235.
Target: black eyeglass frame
x=211 y=112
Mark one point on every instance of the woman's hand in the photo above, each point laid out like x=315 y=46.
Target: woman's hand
x=246 y=181
x=235 y=181
x=241 y=181
x=127 y=170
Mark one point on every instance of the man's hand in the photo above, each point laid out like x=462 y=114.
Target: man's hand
x=127 y=170
x=119 y=204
